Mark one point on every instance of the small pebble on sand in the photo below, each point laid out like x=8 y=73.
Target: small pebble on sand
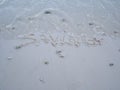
x=13 y=28
x=61 y=56
x=47 y=12
x=18 y=47
x=118 y=50
x=111 y=64
x=41 y=80
x=91 y=23
x=115 y=32
x=46 y=62
x=58 y=51
x=63 y=20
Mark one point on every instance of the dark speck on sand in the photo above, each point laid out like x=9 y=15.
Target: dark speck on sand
x=91 y=23
x=47 y=12
x=18 y=47
x=115 y=32
x=13 y=28
x=63 y=20
x=111 y=64
x=46 y=62
x=118 y=50
x=42 y=81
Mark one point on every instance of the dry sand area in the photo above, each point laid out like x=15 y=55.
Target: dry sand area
x=59 y=45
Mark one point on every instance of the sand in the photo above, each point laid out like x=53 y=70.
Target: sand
x=59 y=45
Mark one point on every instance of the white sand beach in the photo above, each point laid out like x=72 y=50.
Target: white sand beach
x=59 y=45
